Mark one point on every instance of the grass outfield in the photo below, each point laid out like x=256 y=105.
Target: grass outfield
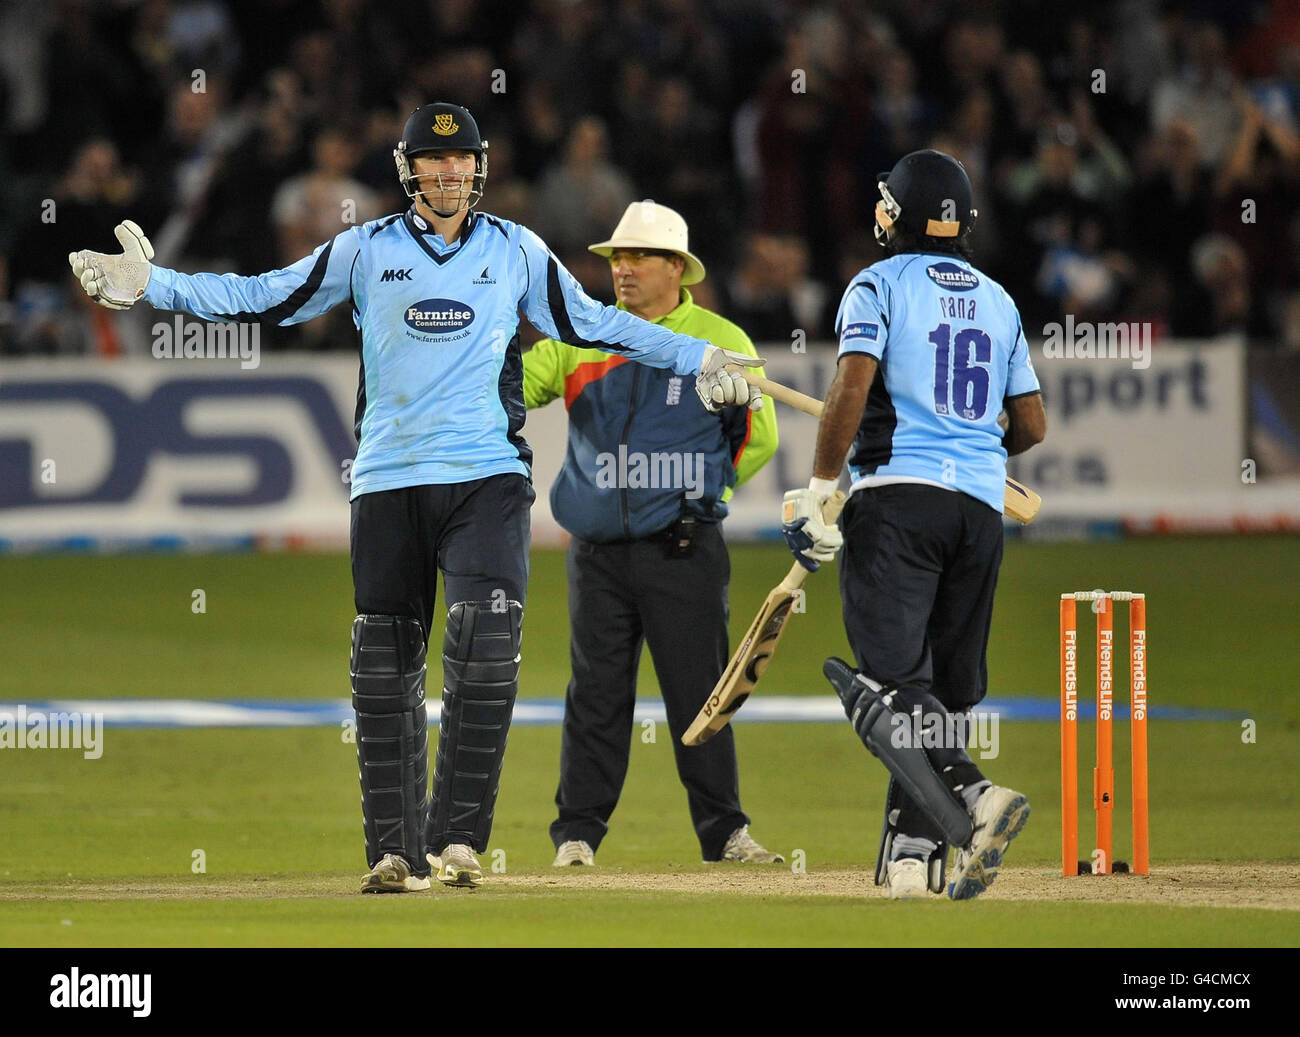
x=1221 y=617
x=99 y=852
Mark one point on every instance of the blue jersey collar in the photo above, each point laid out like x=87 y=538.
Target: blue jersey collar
x=431 y=241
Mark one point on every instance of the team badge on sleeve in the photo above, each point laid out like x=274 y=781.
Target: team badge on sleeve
x=861 y=329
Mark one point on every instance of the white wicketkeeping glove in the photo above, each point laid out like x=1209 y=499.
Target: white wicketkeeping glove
x=116 y=281
x=717 y=387
x=805 y=532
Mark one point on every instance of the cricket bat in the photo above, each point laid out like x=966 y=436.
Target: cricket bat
x=1019 y=501
x=755 y=649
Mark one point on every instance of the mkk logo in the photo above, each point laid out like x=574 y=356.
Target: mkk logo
x=398 y=275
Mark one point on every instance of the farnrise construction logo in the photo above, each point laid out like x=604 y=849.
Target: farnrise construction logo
x=439 y=316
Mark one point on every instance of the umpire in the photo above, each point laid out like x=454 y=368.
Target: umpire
x=643 y=491
x=442 y=477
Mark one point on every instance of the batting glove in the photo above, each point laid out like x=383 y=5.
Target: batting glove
x=116 y=281
x=718 y=387
x=806 y=533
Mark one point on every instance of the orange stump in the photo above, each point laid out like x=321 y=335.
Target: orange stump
x=1137 y=621
x=1069 y=737
x=1103 y=774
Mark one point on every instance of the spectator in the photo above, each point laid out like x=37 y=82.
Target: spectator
x=810 y=143
x=94 y=195
x=757 y=296
x=561 y=42
x=316 y=206
x=1066 y=234
x=1202 y=94
x=901 y=115
x=1025 y=105
x=676 y=155
x=311 y=208
x=179 y=170
x=89 y=88
x=973 y=54
x=772 y=117
x=1168 y=210
x=512 y=195
x=198 y=34
x=239 y=202
x=858 y=251
x=1256 y=193
x=580 y=198
x=1226 y=302
x=540 y=135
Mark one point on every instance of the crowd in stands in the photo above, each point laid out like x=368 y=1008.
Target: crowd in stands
x=1132 y=160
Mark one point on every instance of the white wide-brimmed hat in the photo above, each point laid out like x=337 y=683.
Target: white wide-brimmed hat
x=648 y=224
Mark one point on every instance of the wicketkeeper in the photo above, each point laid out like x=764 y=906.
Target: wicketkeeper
x=442 y=477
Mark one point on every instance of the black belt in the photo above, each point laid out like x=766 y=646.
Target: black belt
x=679 y=536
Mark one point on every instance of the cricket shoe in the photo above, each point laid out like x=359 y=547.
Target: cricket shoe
x=906 y=879
x=574 y=852
x=998 y=817
x=393 y=875
x=457 y=866
x=740 y=846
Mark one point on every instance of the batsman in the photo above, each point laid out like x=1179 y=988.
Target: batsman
x=930 y=352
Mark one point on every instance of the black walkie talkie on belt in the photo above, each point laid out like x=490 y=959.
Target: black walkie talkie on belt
x=681 y=542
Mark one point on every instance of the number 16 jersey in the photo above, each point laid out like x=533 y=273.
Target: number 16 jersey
x=950 y=347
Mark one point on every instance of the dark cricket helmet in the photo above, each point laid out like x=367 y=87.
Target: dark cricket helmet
x=927 y=194
x=440 y=126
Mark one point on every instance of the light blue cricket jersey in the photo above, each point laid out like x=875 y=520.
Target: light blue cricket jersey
x=951 y=349
x=440 y=398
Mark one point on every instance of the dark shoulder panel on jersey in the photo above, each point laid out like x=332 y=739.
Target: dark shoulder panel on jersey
x=884 y=312
x=360 y=411
x=510 y=389
x=555 y=295
x=873 y=445
x=494 y=221
x=297 y=298
x=385 y=223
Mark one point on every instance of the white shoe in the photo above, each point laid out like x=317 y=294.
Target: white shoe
x=574 y=852
x=998 y=817
x=393 y=875
x=457 y=866
x=741 y=846
x=906 y=879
